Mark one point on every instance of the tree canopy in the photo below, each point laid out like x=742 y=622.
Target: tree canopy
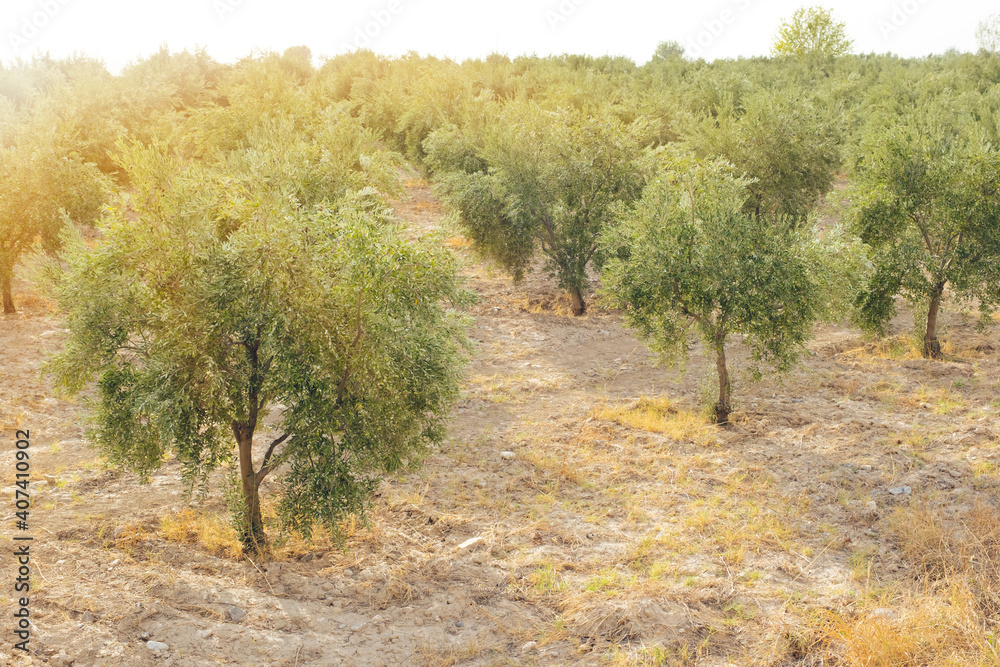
x=927 y=202
x=687 y=259
x=811 y=32
x=215 y=300
x=540 y=179
x=788 y=149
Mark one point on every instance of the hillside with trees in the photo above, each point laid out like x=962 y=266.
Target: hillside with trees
x=517 y=360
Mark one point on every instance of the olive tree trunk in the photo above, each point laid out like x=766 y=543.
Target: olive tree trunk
x=724 y=405
x=251 y=532
x=8 y=296
x=932 y=347
x=578 y=304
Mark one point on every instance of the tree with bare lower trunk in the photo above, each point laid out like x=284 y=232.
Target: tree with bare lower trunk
x=927 y=203
x=688 y=258
x=538 y=179
x=213 y=302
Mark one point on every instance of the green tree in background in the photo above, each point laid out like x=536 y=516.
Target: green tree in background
x=39 y=190
x=210 y=304
x=688 y=258
x=927 y=201
x=812 y=32
x=540 y=179
x=787 y=148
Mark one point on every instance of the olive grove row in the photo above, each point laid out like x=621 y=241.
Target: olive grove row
x=226 y=250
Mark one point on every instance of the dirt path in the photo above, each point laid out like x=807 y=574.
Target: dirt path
x=611 y=527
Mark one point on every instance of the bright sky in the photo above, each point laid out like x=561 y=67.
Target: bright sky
x=119 y=31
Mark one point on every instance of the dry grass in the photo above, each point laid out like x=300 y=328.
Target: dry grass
x=560 y=305
x=516 y=388
x=457 y=242
x=210 y=532
x=546 y=579
x=31 y=301
x=915 y=631
x=660 y=415
x=896 y=348
x=11 y=418
x=564 y=465
x=945 y=612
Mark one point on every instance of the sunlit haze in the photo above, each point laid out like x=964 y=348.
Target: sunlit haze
x=120 y=31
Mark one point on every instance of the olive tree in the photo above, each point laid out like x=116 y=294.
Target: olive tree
x=687 y=259
x=201 y=316
x=788 y=149
x=811 y=32
x=537 y=179
x=39 y=189
x=927 y=202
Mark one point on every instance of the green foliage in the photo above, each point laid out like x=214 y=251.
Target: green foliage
x=39 y=190
x=687 y=259
x=297 y=61
x=540 y=179
x=926 y=201
x=256 y=91
x=787 y=148
x=207 y=306
x=668 y=51
x=811 y=32
x=414 y=99
x=838 y=264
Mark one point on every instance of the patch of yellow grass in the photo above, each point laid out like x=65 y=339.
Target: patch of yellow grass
x=945 y=615
x=660 y=415
x=918 y=630
x=11 y=418
x=681 y=655
x=213 y=533
x=511 y=388
x=33 y=301
x=610 y=581
x=562 y=467
x=739 y=525
x=457 y=242
x=985 y=474
x=940 y=400
x=560 y=305
x=129 y=535
x=897 y=348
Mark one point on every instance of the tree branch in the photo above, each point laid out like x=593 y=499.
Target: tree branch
x=265 y=465
x=550 y=229
x=680 y=302
x=347 y=366
x=917 y=218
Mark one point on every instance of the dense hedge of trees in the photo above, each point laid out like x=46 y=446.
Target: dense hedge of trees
x=245 y=205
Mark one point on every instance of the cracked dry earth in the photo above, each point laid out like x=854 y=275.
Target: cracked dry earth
x=599 y=538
